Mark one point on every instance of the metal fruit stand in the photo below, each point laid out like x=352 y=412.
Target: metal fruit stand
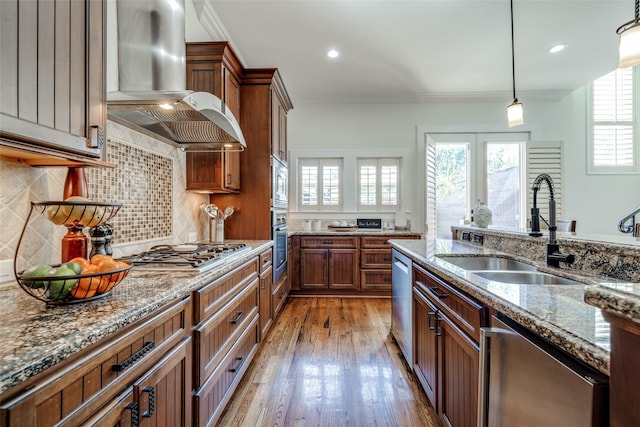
x=71 y=289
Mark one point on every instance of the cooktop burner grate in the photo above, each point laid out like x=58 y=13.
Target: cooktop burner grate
x=188 y=257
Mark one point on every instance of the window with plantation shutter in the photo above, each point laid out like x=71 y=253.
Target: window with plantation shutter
x=545 y=157
x=613 y=146
x=378 y=184
x=320 y=184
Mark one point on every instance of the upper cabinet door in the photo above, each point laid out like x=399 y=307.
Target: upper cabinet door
x=52 y=90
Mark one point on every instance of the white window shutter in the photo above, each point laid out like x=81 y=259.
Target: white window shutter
x=430 y=189
x=545 y=157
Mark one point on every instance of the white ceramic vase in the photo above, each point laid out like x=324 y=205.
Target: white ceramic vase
x=483 y=215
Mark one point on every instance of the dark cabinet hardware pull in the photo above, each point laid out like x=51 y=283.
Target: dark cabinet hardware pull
x=238 y=365
x=229 y=179
x=152 y=401
x=119 y=367
x=238 y=317
x=133 y=407
x=429 y=316
x=267 y=260
x=437 y=328
x=434 y=290
x=387 y=259
x=263 y=283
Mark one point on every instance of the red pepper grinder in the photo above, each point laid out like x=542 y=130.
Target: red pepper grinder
x=75 y=242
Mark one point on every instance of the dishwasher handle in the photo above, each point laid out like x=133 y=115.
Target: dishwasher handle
x=483 y=381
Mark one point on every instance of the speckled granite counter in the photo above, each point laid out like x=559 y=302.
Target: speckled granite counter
x=621 y=299
x=557 y=313
x=34 y=337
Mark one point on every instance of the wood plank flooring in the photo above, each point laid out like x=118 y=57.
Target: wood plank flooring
x=330 y=362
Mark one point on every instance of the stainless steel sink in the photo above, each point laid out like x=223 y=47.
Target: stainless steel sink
x=525 y=278
x=487 y=263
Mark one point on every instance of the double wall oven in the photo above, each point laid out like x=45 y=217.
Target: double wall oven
x=279 y=227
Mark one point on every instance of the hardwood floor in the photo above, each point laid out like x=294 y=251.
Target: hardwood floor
x=330 y=362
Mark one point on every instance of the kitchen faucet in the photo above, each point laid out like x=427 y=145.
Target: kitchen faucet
x=634 y=228
x=554 y=256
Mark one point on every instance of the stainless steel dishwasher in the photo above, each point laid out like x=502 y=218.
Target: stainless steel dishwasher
x=525 y=381
x=401 y=304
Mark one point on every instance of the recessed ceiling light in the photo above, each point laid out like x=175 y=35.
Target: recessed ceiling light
x=558 y=48
x=333 y=53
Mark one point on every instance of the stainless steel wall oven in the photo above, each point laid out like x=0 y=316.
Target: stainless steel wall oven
x=280 y=236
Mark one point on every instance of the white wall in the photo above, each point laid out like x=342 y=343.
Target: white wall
x=597 y=202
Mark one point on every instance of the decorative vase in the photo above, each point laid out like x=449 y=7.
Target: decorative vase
x=483 y=215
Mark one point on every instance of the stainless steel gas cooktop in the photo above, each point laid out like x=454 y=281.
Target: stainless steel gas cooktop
x=193 y=257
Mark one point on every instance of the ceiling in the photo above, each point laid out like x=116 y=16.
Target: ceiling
x=399 y=51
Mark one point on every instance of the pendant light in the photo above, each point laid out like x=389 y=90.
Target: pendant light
x=515 y=111
x=630 y=40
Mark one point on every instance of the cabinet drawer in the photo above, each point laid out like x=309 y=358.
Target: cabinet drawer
x=212 y=297
x=211 y=399
x=279 y=295
x=375 y=280
x=217 y=334
x=375 y=258
x=466 y=313
x=78 y=389
x=382 y=240
x=266 y=259
x=328 y=241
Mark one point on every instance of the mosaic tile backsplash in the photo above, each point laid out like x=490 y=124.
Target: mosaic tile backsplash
x=143 y=183
x=149 y=180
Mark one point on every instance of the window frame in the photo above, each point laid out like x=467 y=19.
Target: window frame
x=634 y=169
x=321 y=162
x=379 y=162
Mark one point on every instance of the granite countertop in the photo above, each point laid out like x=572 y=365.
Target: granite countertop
x=34 y=336
x=620 y=299
x=557 y=313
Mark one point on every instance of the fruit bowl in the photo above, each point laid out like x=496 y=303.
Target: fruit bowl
x=72 y=288
x=77 y=212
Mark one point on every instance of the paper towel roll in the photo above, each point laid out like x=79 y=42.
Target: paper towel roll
x=401 y=219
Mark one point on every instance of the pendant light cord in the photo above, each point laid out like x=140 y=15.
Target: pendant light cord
x=513 y=60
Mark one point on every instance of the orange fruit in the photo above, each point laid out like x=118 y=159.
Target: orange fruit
x=97 y=258
x=78 y=292
x=107 y=265
x=80 y=260
x=119 y=276
x=105 y=284
x=88 y=283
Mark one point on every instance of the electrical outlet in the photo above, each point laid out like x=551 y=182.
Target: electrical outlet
x=193 y=236
x=6 y=271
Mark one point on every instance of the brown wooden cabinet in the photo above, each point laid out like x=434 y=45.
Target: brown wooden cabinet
x=375 y=262
x=226 y=337
x=266 y=282
x=91 y=381
x=252 y=219
x=624 y=394
x=278 y=125
x=214 y=67
x=329 y=263
x=52 y=91
x=446 y=333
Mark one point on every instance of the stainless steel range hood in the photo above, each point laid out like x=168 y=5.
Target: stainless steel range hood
x=152 y=96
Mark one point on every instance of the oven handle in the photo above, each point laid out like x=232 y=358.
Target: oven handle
x=279 y=228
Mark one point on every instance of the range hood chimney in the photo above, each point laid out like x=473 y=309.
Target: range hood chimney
x=152 y=96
